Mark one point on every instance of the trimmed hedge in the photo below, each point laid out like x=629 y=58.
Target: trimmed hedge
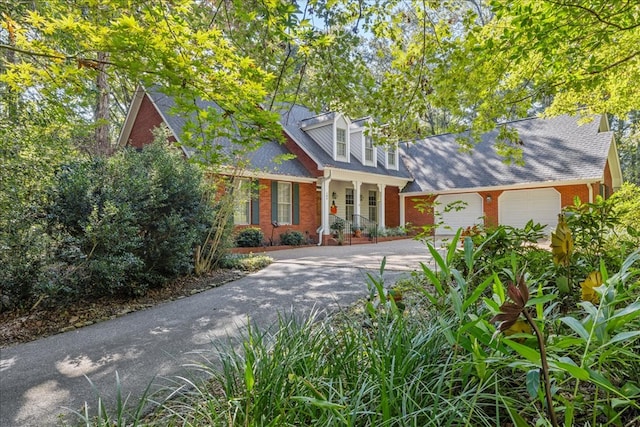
x=292 y=238
x=251 y=237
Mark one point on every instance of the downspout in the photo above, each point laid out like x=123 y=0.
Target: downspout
x=320 y=230
x=590 y=186
x=323 y=192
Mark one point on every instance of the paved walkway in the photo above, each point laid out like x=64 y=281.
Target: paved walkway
x=43 y=379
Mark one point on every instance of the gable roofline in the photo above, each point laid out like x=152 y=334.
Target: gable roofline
x=132 y=114
x=259 y=158
x=319 y=164
x=614 y=164
x=603 y=126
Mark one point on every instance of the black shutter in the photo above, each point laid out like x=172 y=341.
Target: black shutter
x=296 y=203
x=255 y=202
x=274 y=201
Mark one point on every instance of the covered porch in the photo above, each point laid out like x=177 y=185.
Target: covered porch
x=356 y=205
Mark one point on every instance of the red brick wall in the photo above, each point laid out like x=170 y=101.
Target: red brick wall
x=308 y=215
x=146 y=120
x=392 y=206
x=300 y=154
x=569 y=192
x=413 y=215
x=490 y=208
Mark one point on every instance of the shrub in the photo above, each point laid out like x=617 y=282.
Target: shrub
x=128 y=222
x=251 y=237
x=245 y=262
x=291 y=238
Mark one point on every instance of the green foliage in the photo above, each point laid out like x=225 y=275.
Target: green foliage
x=496 y=247
x=292 y=238
x=425 y=351
x=626 y=202
x=338 y=225
x=30 y=152
x=339 y=373
x=245 y=262
x=250 y=237
x=128 y=222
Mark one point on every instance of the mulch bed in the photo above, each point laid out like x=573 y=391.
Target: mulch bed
x=24 y=325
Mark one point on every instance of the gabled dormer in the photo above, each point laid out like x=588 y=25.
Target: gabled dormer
x=362 y=144
x=331 y=132
x=342 y=139
x=389 y=156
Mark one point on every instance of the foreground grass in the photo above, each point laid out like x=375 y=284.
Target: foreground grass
x=395 y=372
x=431 y=358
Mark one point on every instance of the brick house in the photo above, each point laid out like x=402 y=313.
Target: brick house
x=340 y=174
x=562 y=159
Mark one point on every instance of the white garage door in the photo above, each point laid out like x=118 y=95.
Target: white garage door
x=516 y=208
x=470 y=214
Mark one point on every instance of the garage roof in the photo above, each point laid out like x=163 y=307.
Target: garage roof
x=554 y=149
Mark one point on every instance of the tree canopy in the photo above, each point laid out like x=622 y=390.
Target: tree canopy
x=419 y=67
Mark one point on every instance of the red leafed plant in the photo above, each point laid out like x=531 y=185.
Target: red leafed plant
x=509 y=314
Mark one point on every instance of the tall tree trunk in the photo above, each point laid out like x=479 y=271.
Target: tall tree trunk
x=101 y=116
x=10 y=58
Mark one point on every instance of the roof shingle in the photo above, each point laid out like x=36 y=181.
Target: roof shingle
x=555 y=149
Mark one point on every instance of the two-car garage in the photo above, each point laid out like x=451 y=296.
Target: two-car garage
x=515 y=208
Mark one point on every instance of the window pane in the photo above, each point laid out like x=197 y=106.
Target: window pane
x=373 y=208
x=242 y=196
x=368 y=149
x=341 y=142
x=391 y=156
x=348 y=200
x=284 y=203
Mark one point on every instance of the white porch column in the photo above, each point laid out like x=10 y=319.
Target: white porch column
x=356 y=198
x=402 y=201
x=381 y=207
x=324 y=195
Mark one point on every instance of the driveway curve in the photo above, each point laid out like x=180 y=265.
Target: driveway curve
x=41 y=382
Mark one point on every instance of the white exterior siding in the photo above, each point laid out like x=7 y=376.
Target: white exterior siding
x=356 y=145
x=324 y=137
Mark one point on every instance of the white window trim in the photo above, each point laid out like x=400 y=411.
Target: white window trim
x=290 y=192
x=338 y=156
x=395 y=158
x=370 y=206
x=374 y=152
x=243 y=189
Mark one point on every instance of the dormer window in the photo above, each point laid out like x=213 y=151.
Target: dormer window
x=392 y=158
x=368 y=150
x=341 y=142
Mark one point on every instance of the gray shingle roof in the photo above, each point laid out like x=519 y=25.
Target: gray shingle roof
x=292 y=117
x=555 y=149
x=260 y=160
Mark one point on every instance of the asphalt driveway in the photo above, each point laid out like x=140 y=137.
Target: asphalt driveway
x=45 y=379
